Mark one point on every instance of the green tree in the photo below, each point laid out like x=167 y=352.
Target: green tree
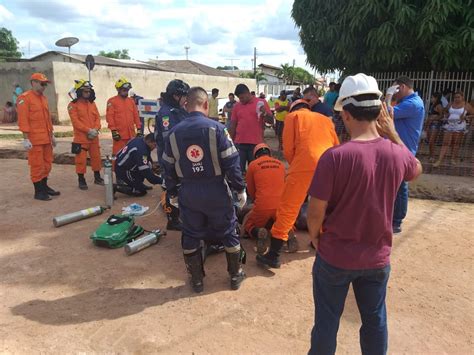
x=295 y=75
x=227 y=67
x=8 y=45
x=386 y=35
x=259 y=76
x=117 y=54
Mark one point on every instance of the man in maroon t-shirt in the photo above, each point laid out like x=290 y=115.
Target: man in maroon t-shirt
x=350 y=217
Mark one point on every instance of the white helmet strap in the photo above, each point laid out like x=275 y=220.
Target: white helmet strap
x=364 y=103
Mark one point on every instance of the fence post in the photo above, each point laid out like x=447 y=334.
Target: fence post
x=430 y=88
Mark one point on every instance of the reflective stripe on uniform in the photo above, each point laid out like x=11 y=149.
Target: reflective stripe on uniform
x=228 y=152
x=232 y=250
x=125 y=158
x=213 y=148
x=189 y=251
x=143 y=167
x=175 y=150
x=168 y=159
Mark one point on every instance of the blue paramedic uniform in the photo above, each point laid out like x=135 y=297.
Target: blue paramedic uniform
x=133 y=164
x=200 y=155
x=167 y=117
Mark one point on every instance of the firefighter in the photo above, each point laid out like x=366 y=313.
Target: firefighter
x=34 y=121
x=306 y=136
x=134 y=165
x=170 y=114
x=199 y=155
x=122 y=116
x=265 y=182
x=85 y=121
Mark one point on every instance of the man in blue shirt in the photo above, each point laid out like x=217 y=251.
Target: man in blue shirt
x=200 y=158
x=331 y=96
x=409 y=114
x=310 y=94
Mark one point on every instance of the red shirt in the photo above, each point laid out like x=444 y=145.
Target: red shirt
x=249 y=125
x=360 y=180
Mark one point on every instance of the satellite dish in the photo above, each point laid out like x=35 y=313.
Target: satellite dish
x=67 y=42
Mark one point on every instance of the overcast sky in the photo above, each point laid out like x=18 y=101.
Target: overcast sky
x=215 y=30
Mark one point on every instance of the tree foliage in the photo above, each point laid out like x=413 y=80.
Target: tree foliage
x=8 y=45
x=386 y=35
x=259 y=76
x=117 y=54
x=227 y=67
x=295 y=75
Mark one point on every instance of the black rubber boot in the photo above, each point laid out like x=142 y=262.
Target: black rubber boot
x=40 y=192
x=82 y=182
x=272 y=258
x=97 y=179
x=262 y=236
x=173 y=218
x=48 y=189
x=195 y=267
x=234 y=267
x=292 y=242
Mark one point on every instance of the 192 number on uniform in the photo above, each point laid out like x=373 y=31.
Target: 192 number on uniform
x=198 y=169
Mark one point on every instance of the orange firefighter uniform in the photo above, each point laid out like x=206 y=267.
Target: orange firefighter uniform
x=306 y=136
x=85 y=116
x=34 y=119
x=265 y=183
x=122 y=116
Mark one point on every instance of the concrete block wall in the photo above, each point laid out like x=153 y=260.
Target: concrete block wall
x=146 y=83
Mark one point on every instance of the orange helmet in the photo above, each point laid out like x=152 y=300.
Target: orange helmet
x=259 y=147
x=299 y=102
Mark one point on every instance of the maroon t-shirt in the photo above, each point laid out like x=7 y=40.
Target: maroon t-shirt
x=360 y=180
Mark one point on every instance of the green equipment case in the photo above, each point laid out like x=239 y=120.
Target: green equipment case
x=117 y=231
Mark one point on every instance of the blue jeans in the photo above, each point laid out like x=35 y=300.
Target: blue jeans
x=245 y=154
x=330 y=287
x=401 y=205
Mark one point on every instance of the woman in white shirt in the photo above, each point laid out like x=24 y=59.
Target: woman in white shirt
x=454 y=127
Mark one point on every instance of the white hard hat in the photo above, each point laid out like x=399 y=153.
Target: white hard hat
x=358 y=84
x=131 y=93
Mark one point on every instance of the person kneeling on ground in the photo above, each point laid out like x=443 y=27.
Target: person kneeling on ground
x=133 y=166
x=265 y=183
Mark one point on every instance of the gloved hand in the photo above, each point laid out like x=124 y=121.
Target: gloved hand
x=27 y=144
x=92 y=133
x=53 y=141
x=174 y=201
x=241 y=199
x=139 y=134
x=116 y=135
x=392 y=90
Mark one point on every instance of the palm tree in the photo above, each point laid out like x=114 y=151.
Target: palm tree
x=286 y=73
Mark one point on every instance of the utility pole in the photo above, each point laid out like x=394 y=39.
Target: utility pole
x=255 y=61
x=186 y=48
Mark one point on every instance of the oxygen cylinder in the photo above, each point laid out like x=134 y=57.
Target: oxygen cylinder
x=144 y=242
x=108 y=182
x=77 y=216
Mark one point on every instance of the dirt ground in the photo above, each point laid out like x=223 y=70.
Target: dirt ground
x=60 y=294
